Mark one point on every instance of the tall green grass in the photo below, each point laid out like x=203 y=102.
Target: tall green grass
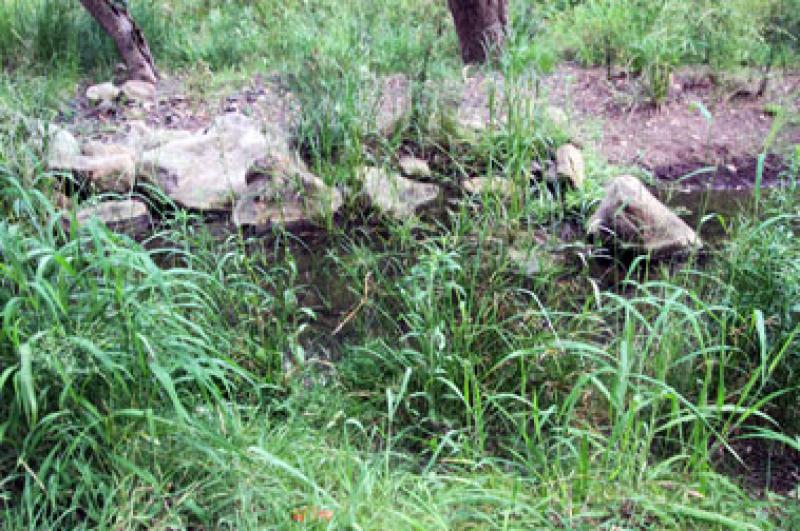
x=399 y=374
x=652 y=38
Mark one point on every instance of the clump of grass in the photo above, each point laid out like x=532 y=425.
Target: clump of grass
x=652 y=38
x=397 y=374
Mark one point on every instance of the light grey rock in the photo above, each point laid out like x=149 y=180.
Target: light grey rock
x=394 y=195
x=414 y=167
x=141 y=137
x=285 y=193
x=103 y=92
x=504 y=188
x=136 y=90
x=62 y=146
x=94 y=148
x=632 y=217
x=107 y=169
x=207 y=171
x=107 y=173
x=571 y=165
x=130 y=216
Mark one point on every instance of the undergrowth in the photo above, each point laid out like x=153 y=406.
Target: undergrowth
x=381 y=374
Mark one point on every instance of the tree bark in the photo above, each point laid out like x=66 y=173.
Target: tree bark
x=481 y=27
x=115 y=19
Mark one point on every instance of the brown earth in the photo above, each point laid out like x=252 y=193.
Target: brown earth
x=763 y=465
x=180 y=105
x=629 y=131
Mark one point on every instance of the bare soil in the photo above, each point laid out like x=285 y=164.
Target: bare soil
x=675 y=138
x=181 y=105
x=765 y=466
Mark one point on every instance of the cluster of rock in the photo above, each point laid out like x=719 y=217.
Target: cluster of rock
x=248 y=169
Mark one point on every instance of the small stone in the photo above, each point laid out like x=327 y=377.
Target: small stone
x=397 y=196
x=491 y=185
x=136 y=90
x=102 y=92
x=414 y=167
x=125 y=215
x=570 y=164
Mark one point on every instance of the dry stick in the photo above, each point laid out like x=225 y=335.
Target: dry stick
x=32 y=474
x=361 y=304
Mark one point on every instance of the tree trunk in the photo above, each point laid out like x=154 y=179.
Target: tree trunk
x=114 y=18
x=481 y=27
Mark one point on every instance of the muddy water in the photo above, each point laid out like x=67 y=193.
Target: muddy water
x=709 y=197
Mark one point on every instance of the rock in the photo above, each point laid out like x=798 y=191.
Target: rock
x=107 y=171
x=127 y=215
x=633 y=217
x=136 y=90
x=207 y=171
x=414 y=167
x=570 y=164
x=93 y=148
x=285 y=193
x=104 y=92
x=62 y=147
x=395 y=195
x=491 y=185
x=142 y=138
x=394 y=104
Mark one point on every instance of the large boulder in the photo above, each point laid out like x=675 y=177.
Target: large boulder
x=207 y=171
x=111 y=169
x=141 y=137
x=394 y=195
x=632 y=217
x=283 y=192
